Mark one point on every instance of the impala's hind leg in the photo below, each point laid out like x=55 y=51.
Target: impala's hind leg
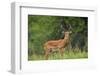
x=46 y=56
x=47 y=52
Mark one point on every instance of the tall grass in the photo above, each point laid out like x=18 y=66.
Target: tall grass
x=68 y=54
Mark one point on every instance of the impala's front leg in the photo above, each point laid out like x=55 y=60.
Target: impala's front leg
x=62 y=51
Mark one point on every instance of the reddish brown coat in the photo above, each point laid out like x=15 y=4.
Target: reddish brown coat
x=60 y=44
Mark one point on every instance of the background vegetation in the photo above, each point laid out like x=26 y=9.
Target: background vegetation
x=44 y=28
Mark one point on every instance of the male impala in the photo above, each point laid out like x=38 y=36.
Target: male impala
x=56 y=44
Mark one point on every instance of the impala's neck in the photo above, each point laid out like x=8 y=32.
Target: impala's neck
x=66 y=36
x=66 y=39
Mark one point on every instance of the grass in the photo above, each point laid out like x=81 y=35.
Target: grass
x=77 y=54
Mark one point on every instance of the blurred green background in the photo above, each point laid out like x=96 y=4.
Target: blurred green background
x=44 y=28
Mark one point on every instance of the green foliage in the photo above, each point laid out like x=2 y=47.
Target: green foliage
x=44 y=28
x=71 y=54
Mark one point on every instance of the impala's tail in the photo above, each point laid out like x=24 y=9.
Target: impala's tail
x=44 y=46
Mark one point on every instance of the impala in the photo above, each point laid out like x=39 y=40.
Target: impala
x=56 y=44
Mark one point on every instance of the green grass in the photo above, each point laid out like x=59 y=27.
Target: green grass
x=77 y=54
